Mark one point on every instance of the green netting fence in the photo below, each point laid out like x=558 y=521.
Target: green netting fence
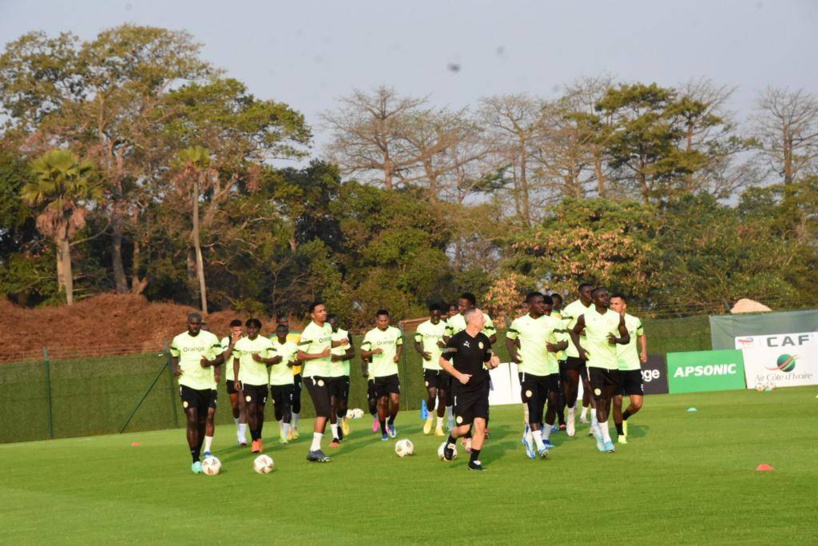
x=61 y=398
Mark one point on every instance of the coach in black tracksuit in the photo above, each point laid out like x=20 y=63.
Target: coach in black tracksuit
x=464 y=357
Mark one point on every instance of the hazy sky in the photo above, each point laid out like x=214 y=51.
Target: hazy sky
x=308 y=53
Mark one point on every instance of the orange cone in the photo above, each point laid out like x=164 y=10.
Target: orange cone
x=764 y=467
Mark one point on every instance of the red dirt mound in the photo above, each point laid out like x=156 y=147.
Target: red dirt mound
x=102 y=325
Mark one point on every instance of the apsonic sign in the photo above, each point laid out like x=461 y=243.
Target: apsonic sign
x=785 y=360
x=701 y=371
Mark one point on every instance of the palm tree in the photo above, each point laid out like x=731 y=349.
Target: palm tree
x=62 y=190
x=194 y=172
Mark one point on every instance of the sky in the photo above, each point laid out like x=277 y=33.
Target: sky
x=309 y=53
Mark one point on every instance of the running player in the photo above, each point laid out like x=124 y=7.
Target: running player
x=282 y=382
x=196 y=357
x=429 y=344
x=601 y=326
x=630 y=368
x=339 y=381
x=562 y=335
x=236 y=396
x=251 y=356
x=295 y=337
x=574 y=367
x=314 y=351
x=532 y=343
x=384 y=344
x=457 y=323
x=465 y=355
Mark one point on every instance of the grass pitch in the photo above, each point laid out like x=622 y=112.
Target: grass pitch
x=684 y=478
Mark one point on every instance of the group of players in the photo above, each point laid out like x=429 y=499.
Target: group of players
x=592 y=340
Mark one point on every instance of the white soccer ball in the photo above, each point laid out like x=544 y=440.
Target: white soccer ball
x=760 y=387
x=440 y=452
x=211 y=466
x=404 y=447
x=357 y=413
x=770 y=386
x=263 y=464
x=350 y=414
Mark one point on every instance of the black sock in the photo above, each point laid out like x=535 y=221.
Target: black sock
x=619 y=429
x=451 y=440
x=195 y=454
x=383 y=426
x=392 y=419
x=255 y=434
x=625 y=415
x=475 y=455
x=468 y=434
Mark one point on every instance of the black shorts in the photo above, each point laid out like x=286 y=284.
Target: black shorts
x=200 y=399
x=630 y=382
x=282 y=395
x=319 y=392
x=231 y=387
x=573 y=363
x=602 y=379
x=538 y=385
x=255 y=394
x=384 y=386
x=370 y=389
x=470 y=404
x=339 y=387
x=434 y=380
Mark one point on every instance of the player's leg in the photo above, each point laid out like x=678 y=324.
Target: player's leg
x=560 y=408
x=570 y=391
x=610 y=384
x=210 y=423
x=442 y=401
x=317 y=388
x=332 y=384
x=372 y=401
x=297 y=383
x=342 y=392
x=191 y=408
x=553 y=389
x=394 y=407
x=536 y=391
x=587 y=397
x=430 y=380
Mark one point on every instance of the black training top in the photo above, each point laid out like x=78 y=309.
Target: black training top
x=469 y=354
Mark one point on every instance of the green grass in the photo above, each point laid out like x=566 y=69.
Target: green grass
x=684 y=478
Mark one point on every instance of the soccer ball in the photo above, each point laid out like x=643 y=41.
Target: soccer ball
x=770 y=386
x=211 y=466
x=350 y=414
x=263 y=464
x=760 y=387
x=404 y=447
x=357 y=413
x=440 y=452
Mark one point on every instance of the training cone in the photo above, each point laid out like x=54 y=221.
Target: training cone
x=764 y=467
x=424 y=411
x=135 y=444
x=691 y=410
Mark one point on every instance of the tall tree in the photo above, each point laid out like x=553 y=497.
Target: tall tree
x=368 y=135
x=62 y=190
x=195 y=176
x=786 y=131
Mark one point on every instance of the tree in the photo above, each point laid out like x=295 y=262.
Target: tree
x=786 y=132
x=368 y=135
x=62 y=191
x=645 y=136
x=196 y=176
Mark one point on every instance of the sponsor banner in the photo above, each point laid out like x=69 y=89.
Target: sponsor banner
x=654 y=375
x=702 y=371
x=785 y=360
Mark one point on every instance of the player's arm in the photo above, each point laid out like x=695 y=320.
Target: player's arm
x=366 y=353
x=643 y=344
x=364 y=366
x=398 y=349
x=350 y=353
x=236 y=367
x=419 y=348
x=575 y=332
x=512 y=345
x=446 y=365
x=554 y=346
x=270 y=360
x=625 y=337
x=490 y=359
x=304 y=356
x=174 y=362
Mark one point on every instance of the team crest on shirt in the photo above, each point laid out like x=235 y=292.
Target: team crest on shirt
x=480 y=345
x=459 y=419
